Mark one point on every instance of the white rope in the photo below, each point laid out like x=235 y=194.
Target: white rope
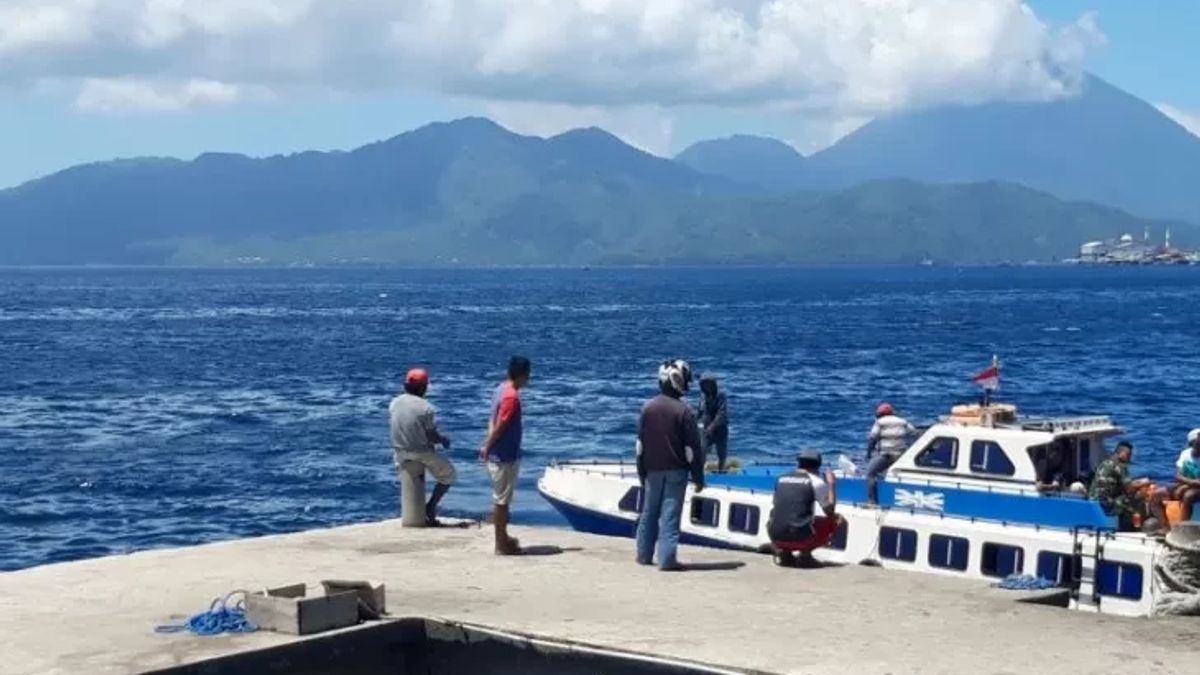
x=1177 y=575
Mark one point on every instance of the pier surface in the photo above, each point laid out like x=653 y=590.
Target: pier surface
x=98 y=616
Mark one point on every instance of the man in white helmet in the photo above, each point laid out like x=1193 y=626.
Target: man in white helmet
x=669 y=452
x=1187 y=476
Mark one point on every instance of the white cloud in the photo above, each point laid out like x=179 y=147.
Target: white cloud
x=27 y=25
x=1188 y=119
x=129 y=95
x=854 y=57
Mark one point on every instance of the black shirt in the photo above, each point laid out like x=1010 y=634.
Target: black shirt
x=669 y=438
x=1050 y=469
x=795 y=501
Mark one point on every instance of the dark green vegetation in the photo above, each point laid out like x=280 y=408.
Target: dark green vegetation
x=470 y=192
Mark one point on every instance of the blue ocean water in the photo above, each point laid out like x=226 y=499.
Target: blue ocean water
x=146 y=408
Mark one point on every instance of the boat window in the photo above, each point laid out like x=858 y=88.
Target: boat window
x=1060 y=568
x=897 y=544
x=840 y=536
x=1119 y=580
x=632 y=501
x=941 y=453
x=743 y=518
x=705 y=511
x=948 y=553
x=989 y=457
x=999 y=560
x=1084 y=458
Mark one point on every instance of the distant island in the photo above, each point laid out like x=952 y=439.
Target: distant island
x=967 y=184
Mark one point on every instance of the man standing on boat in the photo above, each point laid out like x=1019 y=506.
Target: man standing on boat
x=501 y=450
x=669 y=452
x=1123 y=497
x=415 y=434
x=714 y=419
x=1187 y=476
x=889 y=438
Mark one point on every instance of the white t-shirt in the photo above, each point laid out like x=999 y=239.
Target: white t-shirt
x=821 y=492
x=1183 y=457
x=890 y=433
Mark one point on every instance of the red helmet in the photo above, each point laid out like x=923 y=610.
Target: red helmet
x=884 y=408
x=417 y=377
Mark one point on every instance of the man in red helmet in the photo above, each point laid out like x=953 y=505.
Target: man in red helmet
x=414 y=437
x=889 y=438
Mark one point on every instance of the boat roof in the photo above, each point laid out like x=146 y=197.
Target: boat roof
x=1004 y=417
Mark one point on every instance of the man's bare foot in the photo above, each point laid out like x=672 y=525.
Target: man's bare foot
x=510 y=547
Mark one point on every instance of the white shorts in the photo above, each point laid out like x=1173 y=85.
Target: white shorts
x=434 y=463
x=504 y=481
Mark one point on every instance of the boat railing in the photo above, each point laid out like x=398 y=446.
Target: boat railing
x=1111 y=533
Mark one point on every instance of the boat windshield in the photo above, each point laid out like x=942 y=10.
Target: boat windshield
x=1067 y=460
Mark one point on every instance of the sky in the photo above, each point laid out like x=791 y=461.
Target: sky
x=89 y=80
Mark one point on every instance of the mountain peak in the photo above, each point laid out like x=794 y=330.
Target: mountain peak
x=757 y=160
x=1103 y=145
x=745 y=142
x=593 y=137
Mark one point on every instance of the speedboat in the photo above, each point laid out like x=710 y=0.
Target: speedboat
x=961 y=501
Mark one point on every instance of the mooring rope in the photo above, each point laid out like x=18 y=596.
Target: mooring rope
x=220 y=617
x=1025 y=582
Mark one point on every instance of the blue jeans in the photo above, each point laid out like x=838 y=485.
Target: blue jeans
x=876 y=468
x=662 y=507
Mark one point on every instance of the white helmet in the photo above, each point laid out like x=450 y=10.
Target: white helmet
x=1193 y=435
x=675 y=374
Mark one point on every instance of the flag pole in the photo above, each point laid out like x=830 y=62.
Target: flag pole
x=987 y=391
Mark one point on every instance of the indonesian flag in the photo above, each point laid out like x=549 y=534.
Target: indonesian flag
x=988 y=379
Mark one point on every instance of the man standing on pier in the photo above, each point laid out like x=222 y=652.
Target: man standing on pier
x=415 y=434
x=501 y=450
x=668 y=454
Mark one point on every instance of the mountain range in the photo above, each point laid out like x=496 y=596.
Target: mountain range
x=971 y=184
x=1103 y=145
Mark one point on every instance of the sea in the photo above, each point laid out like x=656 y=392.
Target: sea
x=144 y=408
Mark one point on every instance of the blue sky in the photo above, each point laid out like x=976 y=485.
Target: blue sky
x=263 y=77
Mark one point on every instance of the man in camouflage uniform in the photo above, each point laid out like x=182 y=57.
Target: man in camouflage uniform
x=1123 y=497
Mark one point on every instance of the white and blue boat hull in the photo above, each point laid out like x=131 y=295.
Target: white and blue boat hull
x=1102 y=570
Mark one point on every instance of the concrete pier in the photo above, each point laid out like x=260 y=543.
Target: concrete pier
x=98 y=616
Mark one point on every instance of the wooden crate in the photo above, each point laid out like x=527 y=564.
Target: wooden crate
x=372 y=598
x=289 y=609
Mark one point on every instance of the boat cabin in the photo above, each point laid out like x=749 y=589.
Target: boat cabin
x=991 y=446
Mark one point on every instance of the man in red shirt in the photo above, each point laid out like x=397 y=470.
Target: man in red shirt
x=501 y=450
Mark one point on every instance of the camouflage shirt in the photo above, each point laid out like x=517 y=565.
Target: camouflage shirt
x=1109 y=487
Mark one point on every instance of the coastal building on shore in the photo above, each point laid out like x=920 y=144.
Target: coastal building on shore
x=1125 y=250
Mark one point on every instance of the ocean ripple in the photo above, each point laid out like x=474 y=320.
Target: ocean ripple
x=149 y=408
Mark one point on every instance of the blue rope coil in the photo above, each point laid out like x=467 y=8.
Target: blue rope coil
x=221 y=617
x=1025 y=582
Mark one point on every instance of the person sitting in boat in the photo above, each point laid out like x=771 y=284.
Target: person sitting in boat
x=889 y=437
x=803 y=516
x=1187 y=476
x=714 y=419
x=1128 y=499
x=1050 y=467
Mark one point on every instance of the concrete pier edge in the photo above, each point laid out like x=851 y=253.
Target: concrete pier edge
x=744 y=614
